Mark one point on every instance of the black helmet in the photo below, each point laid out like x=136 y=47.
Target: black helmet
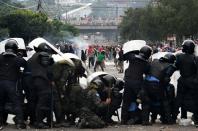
x=188 y=46
x=170 y=58
x=43 y=47
x=146 y=52
x=99 y=83
x=119 y=84
x=11 y=46
x=109 y=80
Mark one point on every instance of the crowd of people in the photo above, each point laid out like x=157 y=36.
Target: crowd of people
x=35 y=89
x=97 y=55
x=95 y=21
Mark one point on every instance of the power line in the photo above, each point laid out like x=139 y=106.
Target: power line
x=16 y=6
x=47 y=7
x=48 y=10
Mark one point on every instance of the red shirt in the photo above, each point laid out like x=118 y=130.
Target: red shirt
x=100 y=49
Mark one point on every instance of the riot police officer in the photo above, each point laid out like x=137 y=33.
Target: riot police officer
x=111 y=91
x=95 y=105
x=10 y=65
x=156 y=81
x=81 y=103
x=186 y=94
x=30 y=90
x=42 y=79
x=138 y=66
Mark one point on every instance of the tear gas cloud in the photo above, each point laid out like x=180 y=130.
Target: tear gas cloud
x=77 y=42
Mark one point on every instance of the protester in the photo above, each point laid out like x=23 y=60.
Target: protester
x=91 y=56
x=100 y=61
x=120 y=62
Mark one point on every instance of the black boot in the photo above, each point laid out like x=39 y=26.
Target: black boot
x=145 y=115
x=1 y=124
x=153 y=117
x=20 y=124
x=167 y=114
x=40 y=115
x=41 y=125
x=132 y=120
x=62 y=124
x=195 y=120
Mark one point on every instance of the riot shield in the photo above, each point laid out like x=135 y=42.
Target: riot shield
x=36 y=42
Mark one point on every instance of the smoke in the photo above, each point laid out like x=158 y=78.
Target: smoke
x=78 y=43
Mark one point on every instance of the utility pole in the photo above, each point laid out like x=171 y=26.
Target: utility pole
x=66 y=16
x=39 y=6
x=59 y=14
x=117 y=13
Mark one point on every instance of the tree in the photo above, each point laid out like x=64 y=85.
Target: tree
x=157 y=22
x=130 y=26
x=5 y=10
x=4 y=33
x=150 y=25
x=59 y=31
x=26 y=24
x=6 y=7
x=29 y=25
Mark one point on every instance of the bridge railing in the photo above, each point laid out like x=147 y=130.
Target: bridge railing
x=108 y=22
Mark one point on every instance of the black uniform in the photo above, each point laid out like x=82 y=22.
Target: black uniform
x=155 y=88
x=186 y=94
x=196 y=91
x=9 y=74
x=41 y=78
x=133 y=82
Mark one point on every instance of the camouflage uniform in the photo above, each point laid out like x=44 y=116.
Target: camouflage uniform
x=74 y=100
x=83 y=104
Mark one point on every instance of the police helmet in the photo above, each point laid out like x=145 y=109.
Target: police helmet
x=43 y=47
x=98 y=83
x=188 y=46
x=109 y=80
x=119 y=84
x=79 y=69
x=146 y=52
x=170 y=58
x=11 y=46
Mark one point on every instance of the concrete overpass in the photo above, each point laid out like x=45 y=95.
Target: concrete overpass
x=101 y=28
x=109 y=32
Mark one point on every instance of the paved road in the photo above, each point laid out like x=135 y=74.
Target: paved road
x=110 y=68
x=156 y=127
